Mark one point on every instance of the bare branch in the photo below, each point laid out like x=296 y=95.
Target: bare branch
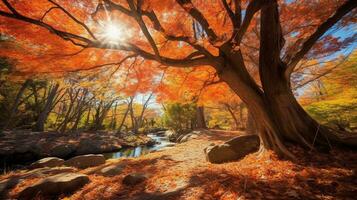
x=48 y=11
x=65 y=35
x=74 y=18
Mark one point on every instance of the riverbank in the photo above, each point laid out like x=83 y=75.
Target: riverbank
x=21 y=147
x=182 y=172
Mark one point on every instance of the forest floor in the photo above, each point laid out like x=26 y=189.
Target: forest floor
x=181 y=172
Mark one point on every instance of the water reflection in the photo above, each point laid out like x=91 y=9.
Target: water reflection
x=141 y=150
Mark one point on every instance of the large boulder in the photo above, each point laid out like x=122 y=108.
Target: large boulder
x=134 y=179
x=47 y=162
x=63 y=150
x=220 y=153
x=244 y=144
x=172 y=135
x=98 y=145
x=46 y=171
x=233 y=149
x=55 y=185
x=87 y=146
x=85 y=161
x=111 y=170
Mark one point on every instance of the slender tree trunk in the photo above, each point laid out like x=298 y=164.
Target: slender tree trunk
x=133 y=119
x=125 y=115
x=88 y=116
x=236 y=122
x=40 y=123
x=81 y=106
x=15 y=106
x=113 y=123
x=63 y=126
x=200 y=116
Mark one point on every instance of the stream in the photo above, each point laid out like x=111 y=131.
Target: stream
x=161 y=142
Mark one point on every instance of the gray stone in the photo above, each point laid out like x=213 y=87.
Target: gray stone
x=160 y=133
x=111 y=170
x=187 y=137
x=245 y=144
x=85 y=161
x=55 y=185
x=45 y=171
x=87 y=146
x=63 y=150
x=233 y=149
x=134 y=179
x=220 y=153
x=47 y=162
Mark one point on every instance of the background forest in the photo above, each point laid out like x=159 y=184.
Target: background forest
x=88 y=102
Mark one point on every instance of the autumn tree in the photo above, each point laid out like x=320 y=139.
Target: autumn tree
x=275 y=36
x=331 y=98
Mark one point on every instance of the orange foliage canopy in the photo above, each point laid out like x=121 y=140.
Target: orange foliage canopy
x=48 y=36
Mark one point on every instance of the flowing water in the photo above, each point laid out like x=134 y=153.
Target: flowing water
x=161 y=141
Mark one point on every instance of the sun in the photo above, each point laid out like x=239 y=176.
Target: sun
x=114 y=32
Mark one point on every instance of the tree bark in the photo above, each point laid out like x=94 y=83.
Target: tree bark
x=250 y=127
x=279 y=117
x=200 y=117
x=88 y=116
x=113 y=123
x=40 y=123
x=231 y=112
x=15 y=106
x=73 y=96
x=125 y=115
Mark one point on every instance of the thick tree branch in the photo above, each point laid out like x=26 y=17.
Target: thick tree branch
x=198 y=16
x=320 y=31
x=156 y=24
x=87 y=43
x=158 y=27
x=238 y=11
x=231 y=14
x=253 y=7
x=137 y=15
x=186 y=62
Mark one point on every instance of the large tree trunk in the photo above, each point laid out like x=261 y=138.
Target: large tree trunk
x=278 y=115
x=250 y=127
x=40 y=123
x=200 y=117
x=253 y=98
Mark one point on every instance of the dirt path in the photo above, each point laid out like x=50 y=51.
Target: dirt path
x=182 y=172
